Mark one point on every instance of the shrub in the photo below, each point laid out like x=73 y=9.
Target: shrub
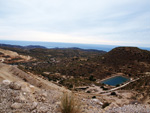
x=94 y=97
x=70 y=86
x=105 y=88
x=102 y=87
x=105 y=105
x=91 y=78
x=88 y=91
x=69 y=104
x=113 y=93
x=117 y=85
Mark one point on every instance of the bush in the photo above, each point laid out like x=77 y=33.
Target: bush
x=91 y=78
x=113 y=93
x=117 y=85
x=94 y=97
x=88 y=91
x=69 y=104
x=102 y=87
x=105 y=105
x=105 y=88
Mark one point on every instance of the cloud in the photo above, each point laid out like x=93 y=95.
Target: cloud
x=51 y=37
x=84 y=21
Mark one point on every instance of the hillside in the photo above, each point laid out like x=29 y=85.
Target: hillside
x=128 y=60
x=80 y=63
x=28 y=93
x=22 y=92
x=126 y=55
x=39 y=77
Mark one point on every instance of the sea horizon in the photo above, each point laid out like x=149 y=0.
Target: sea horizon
x=51 y=45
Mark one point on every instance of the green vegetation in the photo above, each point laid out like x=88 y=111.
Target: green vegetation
x=91 y=78
x=78 y=81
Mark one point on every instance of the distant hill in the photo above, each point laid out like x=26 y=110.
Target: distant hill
x=8 y=46
x=124 y=55
x=21 y=47
x=43 y=53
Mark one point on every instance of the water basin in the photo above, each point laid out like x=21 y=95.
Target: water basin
x=117 y=80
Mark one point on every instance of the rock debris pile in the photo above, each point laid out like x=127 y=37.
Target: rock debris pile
x=13 y=99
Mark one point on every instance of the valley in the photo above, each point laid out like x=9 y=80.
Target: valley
x=40 y=70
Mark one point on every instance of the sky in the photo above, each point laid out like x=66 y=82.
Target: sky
x=110 y=22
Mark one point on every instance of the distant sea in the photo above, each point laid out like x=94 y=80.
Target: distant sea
x=63 y=45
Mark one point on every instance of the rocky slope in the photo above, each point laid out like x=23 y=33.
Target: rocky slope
x=13 y=99
x=22 y=92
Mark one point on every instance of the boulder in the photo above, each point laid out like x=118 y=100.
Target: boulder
x=15 y=86
x=16 y=105
x=34 y=105
x=6 y=82
x=43 y=109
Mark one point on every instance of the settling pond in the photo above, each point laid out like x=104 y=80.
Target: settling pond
x=117 y=80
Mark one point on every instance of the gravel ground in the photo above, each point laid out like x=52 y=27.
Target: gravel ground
x=13 y=99
x=131 y=108
x=24 y=102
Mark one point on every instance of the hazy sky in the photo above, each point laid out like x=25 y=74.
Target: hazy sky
x=115 y=22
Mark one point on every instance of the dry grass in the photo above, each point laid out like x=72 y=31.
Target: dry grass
x=69 y=104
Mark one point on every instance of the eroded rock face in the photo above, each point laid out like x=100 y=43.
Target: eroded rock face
x=15 y=86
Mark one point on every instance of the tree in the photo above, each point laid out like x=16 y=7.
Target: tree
x=91 y=78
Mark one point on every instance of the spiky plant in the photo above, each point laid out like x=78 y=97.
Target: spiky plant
x=69 y=104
